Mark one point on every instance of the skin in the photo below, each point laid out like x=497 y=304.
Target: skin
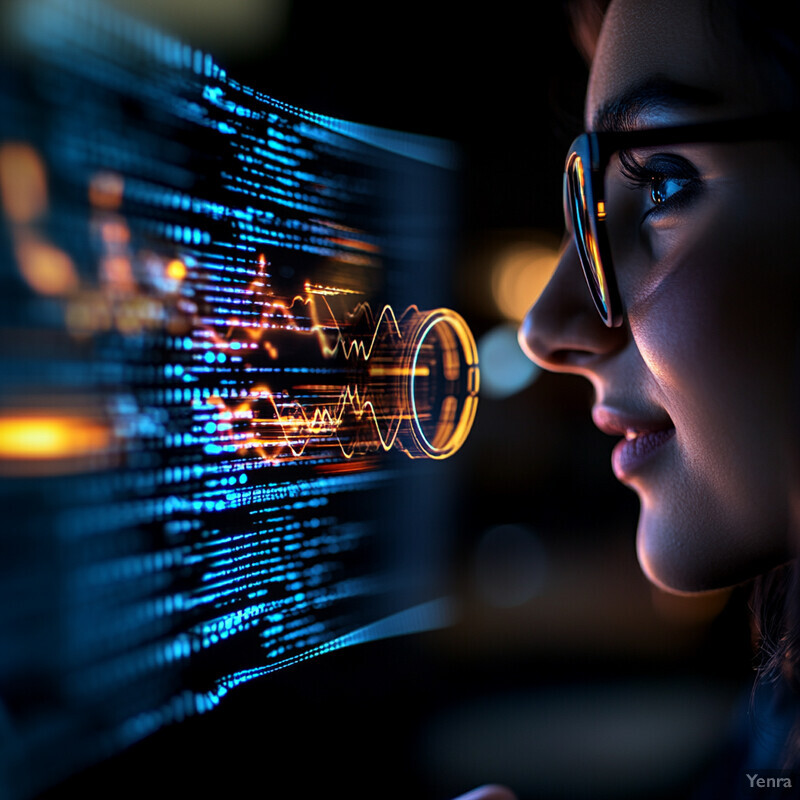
x=709 y=294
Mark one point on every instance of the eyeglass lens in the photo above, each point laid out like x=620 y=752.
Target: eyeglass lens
x=579 y=204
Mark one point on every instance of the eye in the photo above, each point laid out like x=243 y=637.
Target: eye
x=663 y=187
x=672 y=181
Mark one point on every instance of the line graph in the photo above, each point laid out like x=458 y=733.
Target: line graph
x=410 y=380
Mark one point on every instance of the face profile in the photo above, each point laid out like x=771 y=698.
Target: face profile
x=675 y=291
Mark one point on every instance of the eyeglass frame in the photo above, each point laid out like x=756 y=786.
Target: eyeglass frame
x=600 y=146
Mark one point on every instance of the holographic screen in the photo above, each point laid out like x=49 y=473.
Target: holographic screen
x=223 y=332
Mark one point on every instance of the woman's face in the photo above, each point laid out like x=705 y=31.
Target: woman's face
x=696 y=382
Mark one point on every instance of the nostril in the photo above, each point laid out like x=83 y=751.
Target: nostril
x=536 y=349
x=569 y=342
x=563 y=357
x=565 y=360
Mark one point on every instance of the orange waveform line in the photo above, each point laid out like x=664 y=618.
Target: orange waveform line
x=297 y=430
x=272 y=309
x=361 y=348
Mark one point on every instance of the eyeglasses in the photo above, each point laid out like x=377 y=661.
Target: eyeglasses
x=584 y=189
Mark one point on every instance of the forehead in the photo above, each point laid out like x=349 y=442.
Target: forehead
x=646 y=41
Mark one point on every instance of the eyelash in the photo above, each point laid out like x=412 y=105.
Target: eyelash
x=659 y=168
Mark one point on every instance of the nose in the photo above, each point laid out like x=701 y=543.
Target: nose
x=562 y=331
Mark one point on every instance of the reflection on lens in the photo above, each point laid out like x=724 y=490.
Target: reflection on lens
x=585 y=235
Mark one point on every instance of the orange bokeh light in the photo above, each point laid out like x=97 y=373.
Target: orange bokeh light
x=48 y=443
x=519 y=275
x=46 y=268
x=118 y=273
x=23 y=182
x=176 y=270
x=105 y=190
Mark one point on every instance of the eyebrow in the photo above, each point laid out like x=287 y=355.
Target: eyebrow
x=623 y=112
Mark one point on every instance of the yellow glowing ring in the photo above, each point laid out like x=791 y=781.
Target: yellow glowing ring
x=455 y=432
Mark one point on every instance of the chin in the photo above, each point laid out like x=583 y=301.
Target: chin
x=694 y=559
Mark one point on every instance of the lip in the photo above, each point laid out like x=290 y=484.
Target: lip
x=644 y=439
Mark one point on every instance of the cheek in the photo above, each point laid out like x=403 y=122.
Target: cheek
x=718 y=346
x=715 y=318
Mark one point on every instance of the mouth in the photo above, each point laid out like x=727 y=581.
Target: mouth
x=644 y=439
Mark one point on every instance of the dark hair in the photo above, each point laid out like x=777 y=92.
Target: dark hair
x=586 y=19
x=776 y=633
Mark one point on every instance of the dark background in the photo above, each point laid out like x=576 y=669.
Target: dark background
x=595 y=686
